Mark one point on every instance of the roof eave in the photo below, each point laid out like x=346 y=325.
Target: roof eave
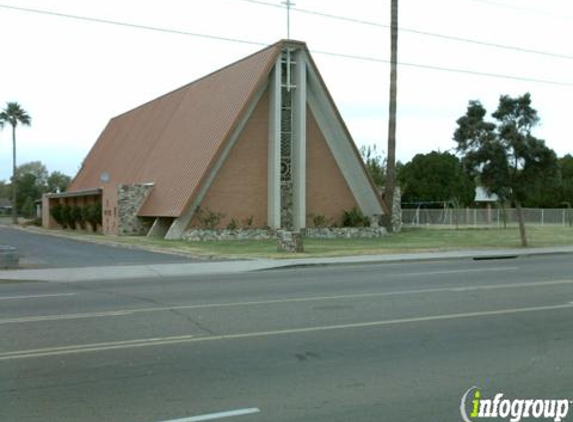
x=75 y=194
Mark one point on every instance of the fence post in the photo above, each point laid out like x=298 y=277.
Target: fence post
x=563 y=213
x=542 y=217
x=475 y=217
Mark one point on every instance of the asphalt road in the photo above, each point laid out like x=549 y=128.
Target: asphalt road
x=392 y=342
x=44 y=251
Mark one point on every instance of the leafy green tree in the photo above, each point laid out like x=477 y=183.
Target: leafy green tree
x=58 y=182
x=36 y=169
x=546 y=193
x=436 y=177
x=508 y=159
x=28 y=208
x=29 y=190
x=566 y=167
x=14 y=115
x=4 y=189
x=30 y=182
x=375 y=164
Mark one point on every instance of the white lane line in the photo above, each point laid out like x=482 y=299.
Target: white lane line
x=41 y=318
x=36 y=296
x=106 y=345
x=69 y=350
x=219 y=415
x=464 y=271
x=127 y=312
x=535 y=284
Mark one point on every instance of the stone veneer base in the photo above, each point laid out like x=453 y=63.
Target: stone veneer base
x=267 y=234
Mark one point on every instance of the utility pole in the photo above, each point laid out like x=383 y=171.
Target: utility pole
x=391 y=159
x=288 y=4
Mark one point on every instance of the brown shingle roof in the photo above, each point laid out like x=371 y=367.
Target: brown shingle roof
x=173 y=140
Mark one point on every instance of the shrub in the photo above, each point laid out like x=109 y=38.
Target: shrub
x=232 y=225
x=91 y=214
x=248 y=222
x=76 y=213
x=67 y=219
x=354 y=218
x=86 y=213
x=209 y=219
x=71 y=215
x=319 y=220
x=56 y=213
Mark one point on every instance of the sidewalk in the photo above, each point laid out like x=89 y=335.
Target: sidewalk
x=233 y=267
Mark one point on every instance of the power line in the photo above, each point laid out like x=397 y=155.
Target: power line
x=130 y=25
x=447 y=69
x=521 y=8
x=416 y=31
x=257 y=43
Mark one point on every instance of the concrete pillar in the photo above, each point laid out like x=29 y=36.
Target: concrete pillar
x=160 y=227
x=299 y=143
x=274 y=172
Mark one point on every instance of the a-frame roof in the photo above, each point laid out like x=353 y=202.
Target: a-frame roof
x=174 y=140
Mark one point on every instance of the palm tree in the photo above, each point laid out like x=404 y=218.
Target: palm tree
x=14 y=114
x=391 y=161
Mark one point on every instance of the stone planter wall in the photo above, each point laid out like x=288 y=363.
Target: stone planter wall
x=346 y=233
x=266 y=234
x=226 y=234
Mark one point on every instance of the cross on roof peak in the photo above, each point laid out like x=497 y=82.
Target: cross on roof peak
x=288 y=4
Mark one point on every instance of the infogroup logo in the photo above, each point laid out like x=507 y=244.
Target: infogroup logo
x=474 y=407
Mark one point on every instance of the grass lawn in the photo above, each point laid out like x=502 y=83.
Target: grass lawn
x=409 y=240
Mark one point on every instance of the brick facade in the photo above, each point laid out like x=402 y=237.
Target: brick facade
x=327 y=193
x=239 y=190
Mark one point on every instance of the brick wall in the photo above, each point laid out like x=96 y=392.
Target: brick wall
x=327 y=192
x=239 y=191
x=109 y=210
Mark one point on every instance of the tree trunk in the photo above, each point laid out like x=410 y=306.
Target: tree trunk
x=14 y=194
x=391 y=160
x=522 y=234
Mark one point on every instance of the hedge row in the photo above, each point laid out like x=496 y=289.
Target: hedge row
x=68 y=216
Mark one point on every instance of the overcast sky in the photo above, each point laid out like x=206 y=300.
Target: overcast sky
x=73 y=75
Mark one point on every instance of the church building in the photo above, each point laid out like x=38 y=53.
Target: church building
x=260 y=140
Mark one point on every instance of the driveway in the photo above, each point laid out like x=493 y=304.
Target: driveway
x=45 y=251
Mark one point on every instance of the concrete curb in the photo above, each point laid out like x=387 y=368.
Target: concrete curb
x=477 y=255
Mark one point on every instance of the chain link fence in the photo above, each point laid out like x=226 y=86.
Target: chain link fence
x=485 y=217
